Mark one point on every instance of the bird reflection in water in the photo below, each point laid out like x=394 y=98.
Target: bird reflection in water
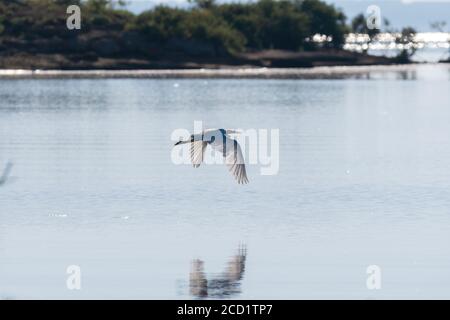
x=222 y=285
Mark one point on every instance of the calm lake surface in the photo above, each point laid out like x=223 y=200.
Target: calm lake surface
x=364 y=179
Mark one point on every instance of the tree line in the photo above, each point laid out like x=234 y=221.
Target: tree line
x=204 y=28
x=223 y=28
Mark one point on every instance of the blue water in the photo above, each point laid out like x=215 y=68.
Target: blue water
x=364 y=179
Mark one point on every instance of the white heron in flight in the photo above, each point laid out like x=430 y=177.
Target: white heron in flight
x=220 y=141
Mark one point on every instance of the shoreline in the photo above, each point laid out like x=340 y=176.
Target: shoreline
x=322 y=72
x=255 y=59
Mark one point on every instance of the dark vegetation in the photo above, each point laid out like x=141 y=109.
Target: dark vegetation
x=33 y=34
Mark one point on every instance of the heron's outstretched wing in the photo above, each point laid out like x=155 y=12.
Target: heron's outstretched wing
x=6 y=173
x=236 y=164
x=197 y=152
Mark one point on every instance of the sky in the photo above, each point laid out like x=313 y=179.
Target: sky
x=416 y=13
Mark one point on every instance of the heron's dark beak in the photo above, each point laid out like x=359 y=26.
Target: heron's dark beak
x=181 y=142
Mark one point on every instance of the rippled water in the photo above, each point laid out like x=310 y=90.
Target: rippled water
x=364 y=180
